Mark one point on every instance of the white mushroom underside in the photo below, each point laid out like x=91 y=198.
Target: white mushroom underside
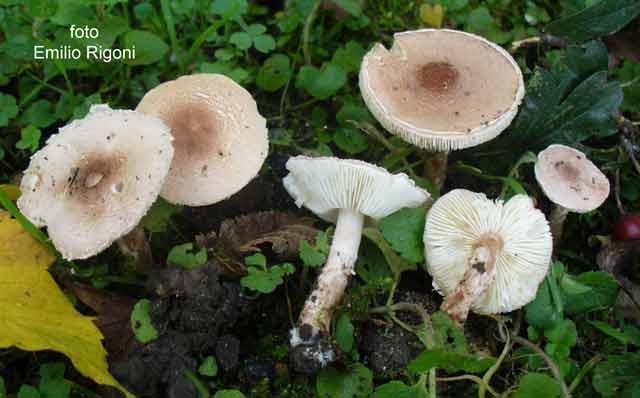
x=480 y=105
x=81 y=222
x=325 y=185
x=454 y=226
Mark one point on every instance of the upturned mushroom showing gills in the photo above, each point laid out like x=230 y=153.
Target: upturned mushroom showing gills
x=486 y=256
x=345 y=192
x=220 y=142
x=441 y=90
x=571 y=181
x=96 y=178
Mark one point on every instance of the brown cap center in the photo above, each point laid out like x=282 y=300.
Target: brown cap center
x=89 y=181
x=194 y=128
x=438 y=77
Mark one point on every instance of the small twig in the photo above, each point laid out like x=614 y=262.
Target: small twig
x=566 y=393
x=616 y=193
x=473 y=378
x=545 y=38
x=306 y=32
x=486 y=379
x=629 y=149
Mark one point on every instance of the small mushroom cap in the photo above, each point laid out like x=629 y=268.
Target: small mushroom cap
x=94 y=180
x=325 y=185
x=442 y=89
x=462 y=220
x=571 y=180
x=221 y=141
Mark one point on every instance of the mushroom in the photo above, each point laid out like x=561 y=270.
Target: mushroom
x=571 y=181
x=441 y=90
x=345 y=192
x=94 y=180
x=220 y=138
x=487 y=256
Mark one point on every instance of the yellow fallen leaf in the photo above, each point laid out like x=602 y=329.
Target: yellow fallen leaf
x=36 y=315
x=432 y=15
x=12 y=191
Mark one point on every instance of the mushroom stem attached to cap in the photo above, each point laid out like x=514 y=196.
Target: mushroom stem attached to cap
x=318 y=309
x=342 y=191
x=435 y=167
x=556 y=222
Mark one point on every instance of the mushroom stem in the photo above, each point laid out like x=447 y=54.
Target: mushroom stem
x=332 y=282
x=476 y=280
x=556 y=222
x=435 y=167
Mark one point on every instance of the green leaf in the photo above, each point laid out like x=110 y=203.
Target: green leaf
x=482 y=23
x=229 y=9
x=397 y=389
x=274 y=73
x=141 y=322
x=28 y=392
x=448 y=335
x=603 y=18
x=184 y=256
x=562 y=333
x=72 y=11
x=8 y=109
x=3 y=388
x=344 y=332
x=588 y=291
x=229 y=394
x=351 y=6
x=350 y=56
x=209 y=367
x=356 y=382
x=310 y=256
x=449 y=361
x=617 y=377
x=537 y=385
x=397 y=264
x=544 y=311
x=321 y=83
x=630 y=334
x=353 y=111
x=40 y=8
x=158 y=217
x=266 y=281
x=149 y=47
x=351 y=140
x=264 y=43
x=629 y=76
x=404 y=230
x=52 y=382
x=29 y=139
x=81 y=110
x=257 y=259
x=242 y=40
x=40 y=114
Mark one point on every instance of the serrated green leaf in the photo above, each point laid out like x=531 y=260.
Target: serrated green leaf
x=141 y=322
x=397 y=264
x=601 y=292
x=266 y=281
x=184 y=256
x=8 y=109
x=449 y=361
x=257 y=259
x=39 y=114
x=603 y=18
x=404 y=230
x=356 y=382
x=562 y=333
x=447 y=334
x=350 y=140
x=397 y=389
x=350 y=56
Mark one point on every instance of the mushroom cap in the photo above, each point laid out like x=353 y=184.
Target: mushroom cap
x=94 y=180
x=221 y=141
x=442 y=89
x=571 y=180
x=325 y=185
x=462 y=220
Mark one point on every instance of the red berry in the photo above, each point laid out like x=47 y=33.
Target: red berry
x=627 y=227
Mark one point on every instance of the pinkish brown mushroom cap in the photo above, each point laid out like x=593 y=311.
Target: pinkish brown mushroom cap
x=571 y=180
x=220 y=142
x=94 y=180
x=442 y=89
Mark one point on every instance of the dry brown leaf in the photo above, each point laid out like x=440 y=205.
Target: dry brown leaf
x=281 y=231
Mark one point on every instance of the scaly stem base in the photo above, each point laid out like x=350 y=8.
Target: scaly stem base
x=435 y=167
